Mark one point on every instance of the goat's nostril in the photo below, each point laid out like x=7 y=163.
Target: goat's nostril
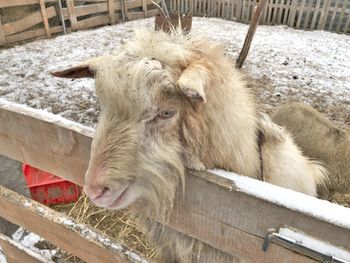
x=104 y=191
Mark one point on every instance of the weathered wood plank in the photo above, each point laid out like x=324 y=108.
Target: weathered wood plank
x=27 y=22
x=81 y=240
x=346 y=26
x=45 y=19
x=31 y=34
x=315 y=14
x=292 y=13
x=11 y=3
x=307 y=14
x=334 y=12
x=212 y=204
x=2 y=35
x=93 y=22
x=72 y=15
x=17 y=253
x=324 y=15
x=301 y=13
x=90 y=9
x=341 y=15
x=111 y=12
x=68 y=154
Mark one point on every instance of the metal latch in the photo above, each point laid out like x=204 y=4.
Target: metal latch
x=304 y=244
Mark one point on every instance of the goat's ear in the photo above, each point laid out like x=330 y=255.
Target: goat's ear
x=82 y=71
x=192 y=84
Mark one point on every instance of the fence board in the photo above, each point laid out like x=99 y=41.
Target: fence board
x=341 y=16
x=315 y=14
x=80 y=240
x=213 y=211
x=324 y=15
x=347 y=23
x=11 y=3
x=72 y=15
x=45 y=19
x=17 y=253
x=334 y=12
x=40 y=32
x=91 y=9
x=27 y=22
x=300 y=13
x=307 y=14
x=2 y=35
x=292 y=13
x=111 y=12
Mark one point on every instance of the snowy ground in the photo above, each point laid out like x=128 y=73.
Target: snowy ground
x=34 y=243
x=286 y=65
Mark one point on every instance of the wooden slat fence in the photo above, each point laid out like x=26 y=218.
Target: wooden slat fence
x=330 y=15
x=45 y=19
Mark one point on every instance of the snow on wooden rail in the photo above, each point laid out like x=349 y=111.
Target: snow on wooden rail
x=229 y=212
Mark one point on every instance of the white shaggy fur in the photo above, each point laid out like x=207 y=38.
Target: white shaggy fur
x=171 y=101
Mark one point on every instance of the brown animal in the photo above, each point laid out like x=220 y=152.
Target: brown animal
x=320 y=139
x=170 y=101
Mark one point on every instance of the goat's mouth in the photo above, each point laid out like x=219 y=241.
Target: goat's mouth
x=119 y=202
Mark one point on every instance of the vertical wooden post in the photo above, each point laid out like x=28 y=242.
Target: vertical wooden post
x=251 y=31
x=2 y=35
x=324 y=15
x=111 y=11
x=341 y=16
x=124 y=9
x=292 y=13
x=314 y=17
x=144 y=6
x=347 y=23
x=72 y=15
x=45 y=19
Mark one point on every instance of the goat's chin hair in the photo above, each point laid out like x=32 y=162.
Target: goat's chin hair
x=160 y=185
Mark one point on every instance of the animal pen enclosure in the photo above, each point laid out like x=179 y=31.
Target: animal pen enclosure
x=44 y=18
x=220 y=211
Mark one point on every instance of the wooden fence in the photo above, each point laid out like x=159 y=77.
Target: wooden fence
x=57 y=16
x=330 y=15
x=214 y=211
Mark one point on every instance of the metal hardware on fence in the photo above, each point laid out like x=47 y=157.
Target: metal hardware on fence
x=298 y=247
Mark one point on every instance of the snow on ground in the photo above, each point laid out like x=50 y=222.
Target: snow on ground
x=297 y=65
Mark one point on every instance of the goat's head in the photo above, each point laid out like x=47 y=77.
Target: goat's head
x=137 y=150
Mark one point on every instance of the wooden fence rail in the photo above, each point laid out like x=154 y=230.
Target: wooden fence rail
x=331 y=15
x=214 y=211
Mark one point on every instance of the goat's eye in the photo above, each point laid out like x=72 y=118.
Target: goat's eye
x=166 y=114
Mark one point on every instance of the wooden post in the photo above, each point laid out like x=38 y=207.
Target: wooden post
x=324 y=15
x=251 y=31
x=72 y=14
x=314 y=17
x=46 y=20
x=144 y=6
x=2 y=35
x=292 y=13
x=111 y=11
x=341 y=16
x=123 y=10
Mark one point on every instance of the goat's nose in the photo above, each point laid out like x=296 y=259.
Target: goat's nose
x=96 y=192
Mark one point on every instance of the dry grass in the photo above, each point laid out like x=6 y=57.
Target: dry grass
x=118 y=225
